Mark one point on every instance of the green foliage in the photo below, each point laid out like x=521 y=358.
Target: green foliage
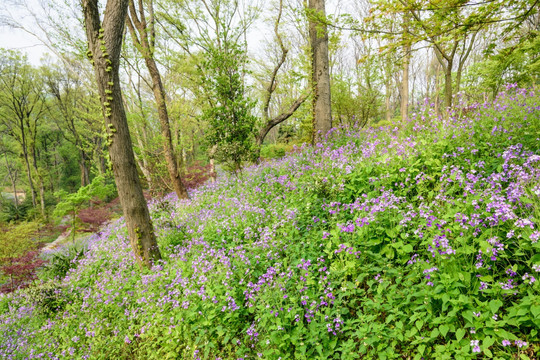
x=518 y=63
x=231 y=123
x=60 y=262
x=274 y=151
x=47 y=297
x=71 y=204
x=14 y=213
x=16 y=240
x=345 y=103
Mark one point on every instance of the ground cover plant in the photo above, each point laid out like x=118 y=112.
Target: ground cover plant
x=409 y=241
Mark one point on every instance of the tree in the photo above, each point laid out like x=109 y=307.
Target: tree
x=73 y=115
x=405 y=75
x=104 y=44
x=143 y=35
x=230 y=119
x=318 y=34
x=22 y=107
x=212 y=38
x=270 y=122
x=72 y=204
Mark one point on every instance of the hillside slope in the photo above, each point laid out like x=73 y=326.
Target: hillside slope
x=413 y=241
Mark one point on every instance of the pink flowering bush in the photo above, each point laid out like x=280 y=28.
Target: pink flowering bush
x=419 y=241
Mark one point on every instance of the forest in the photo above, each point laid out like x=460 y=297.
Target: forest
x=220 y=179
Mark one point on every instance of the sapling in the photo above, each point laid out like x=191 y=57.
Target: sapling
x=72 y=204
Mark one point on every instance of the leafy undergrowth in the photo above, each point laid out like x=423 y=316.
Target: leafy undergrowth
x=411 y=243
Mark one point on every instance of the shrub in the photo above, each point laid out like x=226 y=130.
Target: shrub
x=20 y=271
x=60 y=262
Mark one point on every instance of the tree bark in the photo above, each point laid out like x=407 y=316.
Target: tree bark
x=12 y=174
x=105 y=42
x=405 y=77
x=29 y=174
x=146 y=48
x=143 y=163
x=437 y=97
x=270 y=123
x=318 y=34
x=85 y=172
x=463 y=57
x=387 y=102
x=448 y=94
x=405 y=85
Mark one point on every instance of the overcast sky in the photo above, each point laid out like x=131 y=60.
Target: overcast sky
x=20 y=40
x=16 y=39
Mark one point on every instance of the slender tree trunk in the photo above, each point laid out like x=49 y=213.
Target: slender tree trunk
x=170 y=157
x=405 y=83
x=144 y=42
x=39 y=178
x=24 y=147
x=464 y=55
x=437 y=84
x=318 y=34
x=85 y=173
x=458 y=78
x=143 y=163
x=14 y=185
x=101 y=160
x=42 y=197
x=387 y=100
x=269 y=124
x=12 y=173
x=30 y=182
x=105 y=42
x=448 y=85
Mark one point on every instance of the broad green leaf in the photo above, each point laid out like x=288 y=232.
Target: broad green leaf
x=459 y=334
x=488 y=341
x=494 y=305
x=444 y=330
x=535 y=310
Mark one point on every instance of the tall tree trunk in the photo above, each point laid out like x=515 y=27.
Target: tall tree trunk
x=437 y=83
x=462 y=58
x=405 y=77
x=271 y=123
x=105 y=43
x=29 y=174
x=42 y=197
x=448 y=95
x=39 y=178
x=24 y=147
x=170 y=157
x=143 y=163
x=144 y=42
x=12 y=173
x=318 y=34
x=15 y=195
x=446 y=59
x=101 y=156
x=387 y=104
x=85 y=172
